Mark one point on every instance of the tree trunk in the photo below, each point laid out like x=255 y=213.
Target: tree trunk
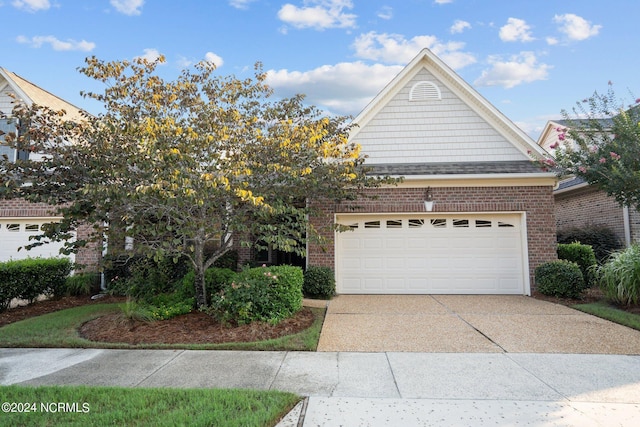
x=199 y=283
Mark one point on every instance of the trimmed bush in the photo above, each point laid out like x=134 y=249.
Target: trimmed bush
x=29 y=278
x=268 y=294
x=562 y=279
x=319 y=282
x=166 y=306
x=619 y=278
x=582 y=255
x=602 y=239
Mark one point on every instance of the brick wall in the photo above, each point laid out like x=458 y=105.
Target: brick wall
x=589 y=207
x=537 y=202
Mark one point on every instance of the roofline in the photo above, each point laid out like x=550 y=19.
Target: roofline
x=572 y=188
x=16 y=88
x=526 y=144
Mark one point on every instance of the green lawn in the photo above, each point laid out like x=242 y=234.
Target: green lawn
x=608 y=312
x=59 y=329
x=102 y=406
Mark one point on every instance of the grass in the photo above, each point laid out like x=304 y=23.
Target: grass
x=101 y=406
x=59 y=329
x=608 y=312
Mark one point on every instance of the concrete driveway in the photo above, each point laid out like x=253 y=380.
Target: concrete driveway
x=468 y=324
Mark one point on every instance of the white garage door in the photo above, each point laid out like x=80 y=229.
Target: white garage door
x=431 y=254
x=15 y=233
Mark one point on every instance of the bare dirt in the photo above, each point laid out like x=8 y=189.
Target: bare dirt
x=192 y=328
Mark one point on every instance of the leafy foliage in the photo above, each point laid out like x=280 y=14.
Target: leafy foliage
x=601 y=144
x=29 y=278
x=602 y=239
x=267 y=294
x=82 y=284
x=560 y=278
x=620 y=276
x=319 y=282
x=185 y=167
x=582 y=255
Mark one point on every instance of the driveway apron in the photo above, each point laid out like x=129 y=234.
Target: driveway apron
x=468 y=324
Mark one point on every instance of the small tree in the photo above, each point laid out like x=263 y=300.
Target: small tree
x=601 y=144
x=201 y=161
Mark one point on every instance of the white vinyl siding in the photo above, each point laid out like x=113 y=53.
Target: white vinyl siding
x=444 y=131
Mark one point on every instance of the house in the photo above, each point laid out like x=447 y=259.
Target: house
x=20 y=219
x=489 y=220
x=580 y=205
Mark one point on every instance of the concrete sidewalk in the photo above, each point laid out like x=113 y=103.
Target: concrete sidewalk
x=370 y=389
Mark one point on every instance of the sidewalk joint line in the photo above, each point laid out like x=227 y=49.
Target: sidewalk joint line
x=159 y=368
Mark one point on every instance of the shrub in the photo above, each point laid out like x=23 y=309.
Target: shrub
x=319 y=282
x=228 y=260
x=582 y=255
x=602 y=239
x=268 y=294
x=166 y=306
x=29 y=278
x=82 y=284
x=214 y=280
x=560 y=278
x=620 y=277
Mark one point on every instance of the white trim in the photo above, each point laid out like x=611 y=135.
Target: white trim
x=627 y=225
x=572 y=188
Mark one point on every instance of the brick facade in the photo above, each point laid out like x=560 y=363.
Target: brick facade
x=589 y=206
x=536 y=202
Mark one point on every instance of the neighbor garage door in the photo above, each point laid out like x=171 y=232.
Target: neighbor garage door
x=431 y=253
x=15 y=233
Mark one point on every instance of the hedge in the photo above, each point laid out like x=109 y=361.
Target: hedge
x=29 y=278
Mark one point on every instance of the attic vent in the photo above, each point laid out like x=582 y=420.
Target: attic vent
x=424 y=91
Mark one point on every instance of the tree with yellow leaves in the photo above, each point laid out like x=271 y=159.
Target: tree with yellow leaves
x=200 y=162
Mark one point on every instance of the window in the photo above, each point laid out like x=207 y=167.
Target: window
x=32 y=228
x=481 y=223
x=460 y=223
x=353 y=226
x=416 y=223
x=394 y=223
x=10 y=126
x=439 y=223
x=372 y=224
x=425 y=91
x=13 y=227
x=504 y=224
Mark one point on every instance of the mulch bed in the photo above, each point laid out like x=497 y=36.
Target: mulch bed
x=192 y=328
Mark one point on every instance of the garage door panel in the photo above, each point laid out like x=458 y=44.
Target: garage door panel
x=16 y=233
x=428 y=254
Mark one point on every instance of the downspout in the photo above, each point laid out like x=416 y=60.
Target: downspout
x=627 y=226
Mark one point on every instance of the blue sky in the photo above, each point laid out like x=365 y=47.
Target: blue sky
x=529 y=58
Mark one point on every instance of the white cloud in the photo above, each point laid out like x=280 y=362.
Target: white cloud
x=31 y=5
x=551 y=41
x=459 y=26
x=516 y=30
x=575 y=27
x=149 y=55
x=319 y=14
x=60 y=45
x=395 y=49
x=128 y=7
x=214 y=59
x=240 y=4
x=345 y=88
x=385 y=12
x=519 y=69
x=443 y=1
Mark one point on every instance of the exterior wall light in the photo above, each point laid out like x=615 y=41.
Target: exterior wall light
x=428 y=200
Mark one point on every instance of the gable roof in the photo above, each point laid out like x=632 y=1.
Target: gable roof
x=382 y=137
x=33 y=94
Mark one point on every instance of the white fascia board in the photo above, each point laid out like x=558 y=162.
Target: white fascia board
x=572 y=188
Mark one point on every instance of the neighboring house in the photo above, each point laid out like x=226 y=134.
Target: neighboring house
x=20 y=219
x=580 y=205
x=492 y=219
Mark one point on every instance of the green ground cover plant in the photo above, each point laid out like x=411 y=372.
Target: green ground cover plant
x=102 y=406
x=607 y=311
